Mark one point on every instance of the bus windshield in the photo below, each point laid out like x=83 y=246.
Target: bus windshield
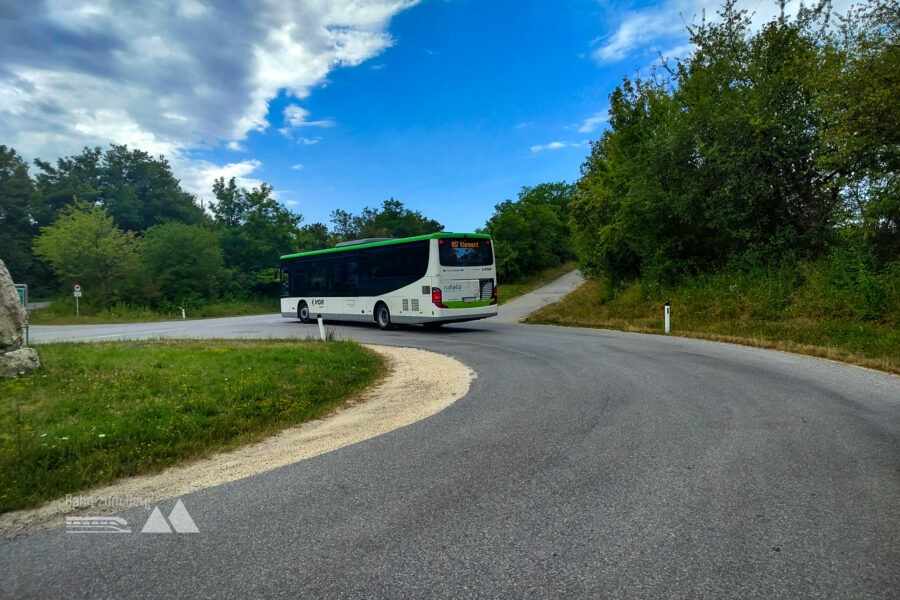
x=465 y=252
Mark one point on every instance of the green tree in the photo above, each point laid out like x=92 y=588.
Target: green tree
x=19 y=205
x=859 y=99
x=78 y=176
x=84 y=246
x=137 y=190
x=393 y=219
x=182 y=262
x=531 y=233
x=314 y=236
x=256 y=231
x=713 y=161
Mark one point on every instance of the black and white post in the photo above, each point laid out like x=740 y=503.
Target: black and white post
x=668 y=312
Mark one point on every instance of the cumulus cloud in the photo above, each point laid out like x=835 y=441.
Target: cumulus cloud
x=661 y=28
x=200 y=174
x=172 y=75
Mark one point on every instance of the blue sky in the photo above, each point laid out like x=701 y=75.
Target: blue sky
x=445 y=119
x=449 y=106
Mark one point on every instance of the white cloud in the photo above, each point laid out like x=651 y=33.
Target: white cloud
x=295 y=116
x=308 y=141
x=661 y=28
x=297 y=167
x=559 y=145
x=198 y=176
x=639 y=29
x=591 y=123
x=550 y=146
x=235 y=146
x=174 y=75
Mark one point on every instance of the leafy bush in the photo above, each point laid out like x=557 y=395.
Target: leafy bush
x=763 y=148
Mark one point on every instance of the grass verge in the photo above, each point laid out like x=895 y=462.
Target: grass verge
x=722 y=317
x=97 y=412
x=514 y=289
x=62 y=312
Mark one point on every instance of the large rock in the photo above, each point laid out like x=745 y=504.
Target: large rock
x=12 y=313
x=19 y=363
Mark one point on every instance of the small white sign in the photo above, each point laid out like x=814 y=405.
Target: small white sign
x=78 y=294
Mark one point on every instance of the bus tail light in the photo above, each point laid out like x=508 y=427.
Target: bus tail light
x=494 y=296
x=436 y=298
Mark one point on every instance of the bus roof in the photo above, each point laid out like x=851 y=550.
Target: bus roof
x=431 y=236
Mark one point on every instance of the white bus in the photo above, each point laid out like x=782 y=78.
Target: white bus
x=429 y=279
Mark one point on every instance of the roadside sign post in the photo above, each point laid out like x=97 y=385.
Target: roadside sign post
x=668 y=312
x=22 y=290
x=77 y=289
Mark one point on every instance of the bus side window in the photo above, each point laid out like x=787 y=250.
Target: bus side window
x=285 y=283
x=347 y=278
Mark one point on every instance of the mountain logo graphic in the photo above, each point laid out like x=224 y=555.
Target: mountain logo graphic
x=179 y=519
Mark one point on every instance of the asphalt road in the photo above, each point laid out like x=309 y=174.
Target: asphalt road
x=521 y=307
x=582 y=463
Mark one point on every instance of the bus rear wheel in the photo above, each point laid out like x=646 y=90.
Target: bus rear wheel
x=383 y=317
x=303 y=312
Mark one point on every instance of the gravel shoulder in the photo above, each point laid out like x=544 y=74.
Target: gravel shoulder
x=418 y=384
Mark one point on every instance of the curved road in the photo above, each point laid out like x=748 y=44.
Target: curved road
x=582 y=463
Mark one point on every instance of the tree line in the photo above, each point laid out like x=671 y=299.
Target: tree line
x=118 y=223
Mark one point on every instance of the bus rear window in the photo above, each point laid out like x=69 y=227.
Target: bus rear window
x=465 y=252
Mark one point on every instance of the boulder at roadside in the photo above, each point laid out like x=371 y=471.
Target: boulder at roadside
x=15 y=361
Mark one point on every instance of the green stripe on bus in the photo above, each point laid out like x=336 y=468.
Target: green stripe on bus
x=461 y=304
x=431 y=236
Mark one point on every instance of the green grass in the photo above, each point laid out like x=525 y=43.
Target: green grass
x=789 y=317
x=96 y=412
x=520 y=287
x=62 y=312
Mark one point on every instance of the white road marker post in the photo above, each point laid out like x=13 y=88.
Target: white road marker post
x=668 y=312
x=321 y=328
x=182 y=313
x=77 y=293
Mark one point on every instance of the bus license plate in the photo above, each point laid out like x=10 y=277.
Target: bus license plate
x=469 y=299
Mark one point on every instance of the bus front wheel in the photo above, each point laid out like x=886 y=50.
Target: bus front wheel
x=303 y=312
x=383 y=317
